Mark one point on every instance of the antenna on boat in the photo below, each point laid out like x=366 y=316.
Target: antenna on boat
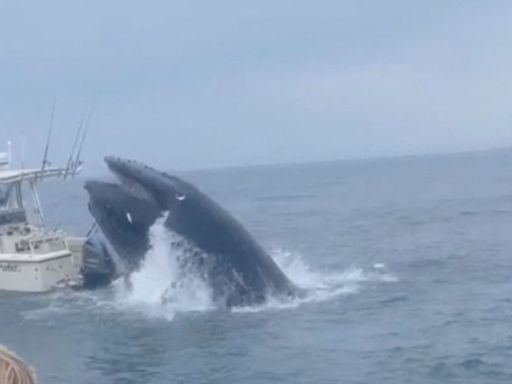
x=23 y=148
x=9 y=153
x=48 y=138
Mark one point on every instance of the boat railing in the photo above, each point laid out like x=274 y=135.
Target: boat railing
x=42 y=245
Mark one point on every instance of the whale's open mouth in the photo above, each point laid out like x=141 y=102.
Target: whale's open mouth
x=129 y=176
x=123 y=214
x=128 y=208
x=124 y=211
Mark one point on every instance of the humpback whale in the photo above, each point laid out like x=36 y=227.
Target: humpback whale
x=237 y=268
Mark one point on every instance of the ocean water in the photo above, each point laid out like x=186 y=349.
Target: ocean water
x=407 y=263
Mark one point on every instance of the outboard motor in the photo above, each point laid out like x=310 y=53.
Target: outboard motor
x=97 y=268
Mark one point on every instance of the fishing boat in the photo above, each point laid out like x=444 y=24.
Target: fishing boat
x=33 y=258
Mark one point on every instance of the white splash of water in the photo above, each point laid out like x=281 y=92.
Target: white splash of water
x=319 y=285
x=162 y=286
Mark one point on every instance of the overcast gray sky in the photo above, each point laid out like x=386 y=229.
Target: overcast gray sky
x=187 y=84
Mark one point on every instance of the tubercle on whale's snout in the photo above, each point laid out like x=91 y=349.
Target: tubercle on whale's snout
x=141 y=177
x=117 y=162
x=127 y=167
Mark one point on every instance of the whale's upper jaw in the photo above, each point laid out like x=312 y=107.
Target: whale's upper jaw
x=147 y=182
x=134 y=172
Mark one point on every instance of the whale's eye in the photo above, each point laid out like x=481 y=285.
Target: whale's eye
x=129 y=217
x=180 y=197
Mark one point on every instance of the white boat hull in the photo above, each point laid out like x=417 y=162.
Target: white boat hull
x=36 y=274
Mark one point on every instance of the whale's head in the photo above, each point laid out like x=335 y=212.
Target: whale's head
x=125 y=211
x=165 y=190
x=123 y=217
x=191 y=213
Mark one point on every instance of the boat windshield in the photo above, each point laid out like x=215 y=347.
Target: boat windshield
x=11 y=207
x=7 y=198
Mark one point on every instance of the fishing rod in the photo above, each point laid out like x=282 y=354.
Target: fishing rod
x=49 y=136
x=84 y=135
x=75 y=141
